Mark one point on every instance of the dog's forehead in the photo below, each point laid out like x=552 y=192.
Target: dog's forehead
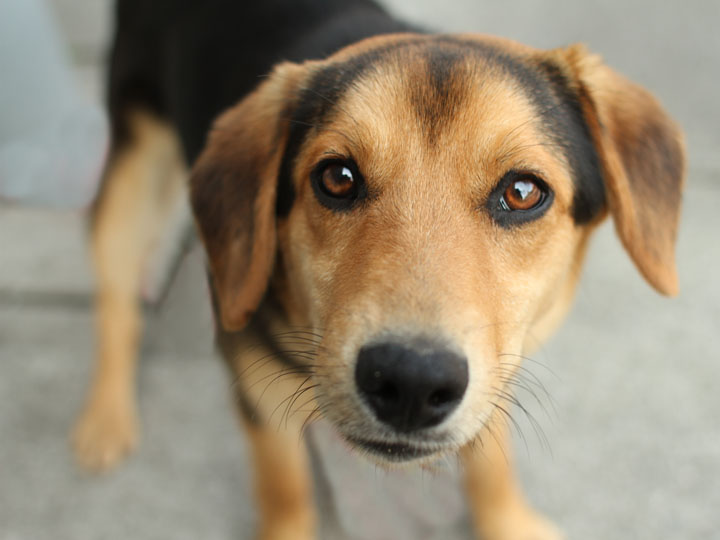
x=447 y=90
x=431 y=99
x=432 y=74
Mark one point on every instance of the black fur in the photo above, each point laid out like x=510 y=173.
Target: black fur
x=568 y=121
x=436 y=102
x=188 y=60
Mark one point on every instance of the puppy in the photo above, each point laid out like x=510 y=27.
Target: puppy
x=392 y=219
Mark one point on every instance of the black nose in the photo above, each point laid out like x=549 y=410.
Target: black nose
x=410 y=388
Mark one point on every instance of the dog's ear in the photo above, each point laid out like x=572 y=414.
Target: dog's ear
x=233 y=191
x=642 y=154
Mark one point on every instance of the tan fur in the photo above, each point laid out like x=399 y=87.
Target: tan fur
x=282 y=402
x=143 y=183
x=283 y=485
x=499 y=507
x=433 y=281
x=283 y=482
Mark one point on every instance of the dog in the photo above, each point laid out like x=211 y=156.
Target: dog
x=392 y=219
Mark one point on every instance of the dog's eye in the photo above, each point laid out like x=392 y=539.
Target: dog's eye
x=523 y=194
x=518 y=198
x=338 y=181
x=338 y=184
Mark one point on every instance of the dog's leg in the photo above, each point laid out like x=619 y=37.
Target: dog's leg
x=274 y=398
x=283 y=482
x=144 y=180
x=497 y=505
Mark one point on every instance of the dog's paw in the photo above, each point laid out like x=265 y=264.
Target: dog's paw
x=285 y=533
x=519 y=524
x=288 y=527
x=282 y=534
x=105 y=434
x=536 y=528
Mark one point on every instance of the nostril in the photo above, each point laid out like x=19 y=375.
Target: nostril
x=442 y=397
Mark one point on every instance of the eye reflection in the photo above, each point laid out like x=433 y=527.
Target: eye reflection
x=523 y=194
x=338 y=184
x=338 y=180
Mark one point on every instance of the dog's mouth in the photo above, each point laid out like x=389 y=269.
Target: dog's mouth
x=396 y=452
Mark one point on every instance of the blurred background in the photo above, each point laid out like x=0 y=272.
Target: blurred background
x=634 y=432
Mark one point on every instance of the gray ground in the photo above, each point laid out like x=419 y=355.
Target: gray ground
x=635 y=439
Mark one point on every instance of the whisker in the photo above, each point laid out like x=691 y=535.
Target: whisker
x=537 y=428
x=527 y=375
x=314 y=415
x=515 y=424
x=282 y=373
x=497 y=441
x=521 y=376
x=297 y=396
x=511 y=382
x=277 y=356
x=306 y=402
x=300 y=332
x=534 y=361
x=287 y=399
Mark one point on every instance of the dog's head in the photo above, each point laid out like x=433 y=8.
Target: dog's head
x=424 y=203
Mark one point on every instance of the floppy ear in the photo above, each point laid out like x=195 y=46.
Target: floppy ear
x=233 y=190
x=643 y=158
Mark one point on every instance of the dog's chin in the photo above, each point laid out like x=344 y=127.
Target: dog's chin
x=394 y=454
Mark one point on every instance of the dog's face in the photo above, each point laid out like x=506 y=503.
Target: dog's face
x=426 y=204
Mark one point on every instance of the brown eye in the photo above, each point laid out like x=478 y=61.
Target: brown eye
x=338 y=184
x=337 y=180
x=519 y=197
x=522 y=194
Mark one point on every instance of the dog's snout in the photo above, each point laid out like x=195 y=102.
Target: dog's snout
x=410 y=389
